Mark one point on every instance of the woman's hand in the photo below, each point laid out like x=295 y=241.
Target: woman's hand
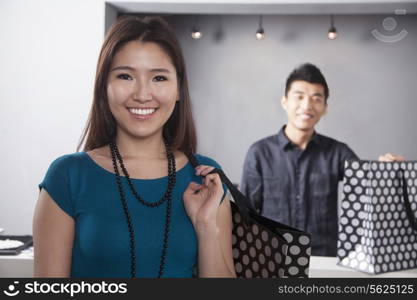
x=212 y=222
x=202 y=201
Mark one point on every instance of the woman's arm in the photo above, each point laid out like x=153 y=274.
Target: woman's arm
x=213 y=224
x=53 y=235
x=215 y=246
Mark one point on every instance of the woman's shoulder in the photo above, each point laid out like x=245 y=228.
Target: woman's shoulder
x=70 y=158
x=205 y=160
x=65 y=162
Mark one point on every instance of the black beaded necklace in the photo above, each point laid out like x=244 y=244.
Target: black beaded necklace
x=167 y=197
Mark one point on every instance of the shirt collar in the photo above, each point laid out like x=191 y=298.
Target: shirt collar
x=283 y=140
x=285 y=143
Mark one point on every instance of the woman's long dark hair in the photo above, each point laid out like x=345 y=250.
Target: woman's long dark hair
x=101 y=126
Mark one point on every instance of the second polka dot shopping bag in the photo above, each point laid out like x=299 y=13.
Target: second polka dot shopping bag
x=263 y=248
x=378 y=221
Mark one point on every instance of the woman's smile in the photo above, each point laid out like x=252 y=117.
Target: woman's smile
x=142 y=113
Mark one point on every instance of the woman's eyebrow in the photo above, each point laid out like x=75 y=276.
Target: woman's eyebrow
x=123 y=68
x=153 y=70
x=160 y=70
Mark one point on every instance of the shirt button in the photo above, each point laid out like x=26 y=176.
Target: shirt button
x=298 y=196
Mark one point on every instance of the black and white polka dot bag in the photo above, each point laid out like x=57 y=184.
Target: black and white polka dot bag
x=263 y=248
x=378 y=221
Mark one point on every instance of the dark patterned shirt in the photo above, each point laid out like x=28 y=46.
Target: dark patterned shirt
x=298 y=187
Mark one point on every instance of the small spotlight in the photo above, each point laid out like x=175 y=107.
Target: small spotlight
x=260 y=33
x=196 y=33
x=332 y=34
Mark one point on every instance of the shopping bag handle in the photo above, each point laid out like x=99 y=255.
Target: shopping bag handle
x=407 y=204
x=241 y=201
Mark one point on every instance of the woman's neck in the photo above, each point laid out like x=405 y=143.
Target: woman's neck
x=141 y=148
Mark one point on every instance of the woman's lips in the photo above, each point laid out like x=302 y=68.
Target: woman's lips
x=142 y=113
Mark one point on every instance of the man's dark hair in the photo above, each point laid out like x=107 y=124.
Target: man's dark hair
x=310 y=73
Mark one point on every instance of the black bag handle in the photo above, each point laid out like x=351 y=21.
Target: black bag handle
x=407 y=204
x=241 y=201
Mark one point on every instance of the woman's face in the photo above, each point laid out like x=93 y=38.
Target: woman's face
x=142 y=89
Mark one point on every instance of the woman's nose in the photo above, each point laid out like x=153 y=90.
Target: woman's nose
x=142 y=92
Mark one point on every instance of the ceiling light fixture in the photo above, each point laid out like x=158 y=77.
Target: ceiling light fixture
x=195 y=32
x=332 y=34
x=260 y=33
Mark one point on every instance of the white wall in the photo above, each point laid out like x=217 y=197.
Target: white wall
x=48 y=56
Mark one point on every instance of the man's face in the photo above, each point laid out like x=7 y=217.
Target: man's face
x=305 y=104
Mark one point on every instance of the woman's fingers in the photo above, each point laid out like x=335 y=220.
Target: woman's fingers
x=212 y=178
x=193 y=188
x=203 y=170
x=213 y=182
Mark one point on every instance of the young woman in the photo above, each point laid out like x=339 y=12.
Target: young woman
x=131 y=204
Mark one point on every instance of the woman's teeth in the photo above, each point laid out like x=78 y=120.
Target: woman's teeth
x=142 y=112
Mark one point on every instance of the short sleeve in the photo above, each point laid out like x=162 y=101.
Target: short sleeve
x=203 y=160
x=56 y=184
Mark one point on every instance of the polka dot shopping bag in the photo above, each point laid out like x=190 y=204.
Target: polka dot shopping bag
x=263 y=248
x=378 y=221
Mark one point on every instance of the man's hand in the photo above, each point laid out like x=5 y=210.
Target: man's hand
x=389 y=157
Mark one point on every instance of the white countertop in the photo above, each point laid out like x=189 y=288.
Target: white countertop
x=320 y=266
x=17 y=265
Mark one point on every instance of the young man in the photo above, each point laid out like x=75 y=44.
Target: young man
x=292 y=177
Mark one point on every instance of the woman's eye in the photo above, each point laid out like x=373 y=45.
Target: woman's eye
x=124 y=76
x=159 y=78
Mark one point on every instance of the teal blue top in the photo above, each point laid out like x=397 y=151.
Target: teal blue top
x=88 y=193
